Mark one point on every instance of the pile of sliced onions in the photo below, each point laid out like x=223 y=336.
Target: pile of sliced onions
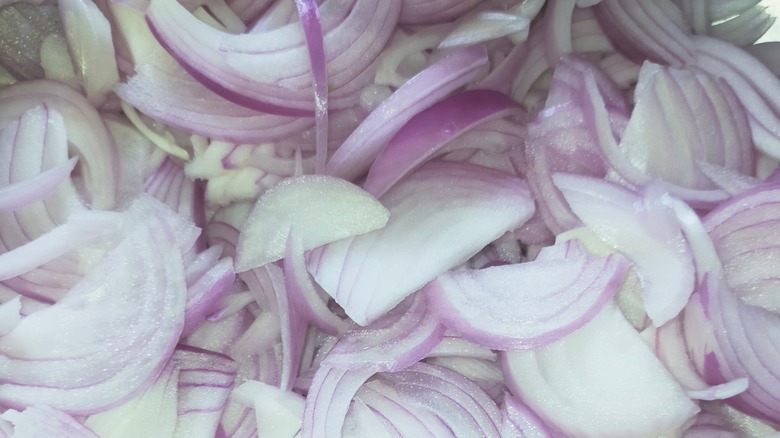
x=389 y=218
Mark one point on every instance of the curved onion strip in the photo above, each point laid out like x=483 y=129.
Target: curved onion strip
x=88 y=33
x=235 y=67
x=321 y=209
x=361 y=148
x=86 y=132
x=691 y=117
x=382 y=398
x=746 y=336
x=35 y=142
x=328 y=400
x=431 y=211
x=433 y=11
x=37 y=188
x=308 y=301
x=457 y=401
x=205 y=382
x=643 y=29
x=402 y=337
x=742 y=230
x=526 y=305
x=152 y=411
x=613 y=360
x=429 y=131
x=519 y=421
x=45 y=421
x=41 y=354
x=646 y=230
x=80 y=229
x=312 y=31
x=754 y=84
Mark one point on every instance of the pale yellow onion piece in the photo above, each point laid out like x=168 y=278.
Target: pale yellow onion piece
x=151 y=413
x=88 y=33
x=321 y=209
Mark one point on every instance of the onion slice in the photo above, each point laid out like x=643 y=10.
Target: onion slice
x=17 y=195
x=320 y=209
x=612 y=361
x=431 y=213
x=40 y=356
x=526 y=305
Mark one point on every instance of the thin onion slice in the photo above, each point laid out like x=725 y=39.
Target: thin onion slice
x=526 y=305
x=613 y=361
x=431 y=213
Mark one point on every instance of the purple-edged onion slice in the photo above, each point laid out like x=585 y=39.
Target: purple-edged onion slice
x=442 y=213
x=320 y=209
x=526 y=305
x=612 y=361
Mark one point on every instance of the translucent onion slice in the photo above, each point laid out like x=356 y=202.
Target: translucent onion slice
x=612 y=361
x=236 y=66
x=427 y=133
x=433 y=11
x=45 y=421
x=646 y=230
x=442 y=213
x=37 y=188
x=519 y=421
x=138 y=287
x=320 y=209
x=526 y=305
x=88 y=33
x=743 y=231
x=402 y=337
x=647 y=29
x=354 y=157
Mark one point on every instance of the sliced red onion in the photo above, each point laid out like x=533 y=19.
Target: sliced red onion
x=743 y=231
x=646 y=230
x=18 y=195
x=162 y=89
x=614 y=362
x=743 y=334
x=278 y=413
x=526 y=305
x=560 y=138
x=692 y=117
x=151 y=412
x=81 y=228
x=204 y=384
x=235 y=67
x=169 y=184
x=399 y=416
x=42 y=420
x=433 y=11
x=320 y=209
x=645 y=29
x=310 y=303
x=328 y=400
x=354 y=157
x=429 y=211
x=519 y=421
x=455 y=400
x=557 y=29
x=402 y=337
x=754 y=85
x=487 y=374
x=204 y=294
x=722 y=391
x=88 y=33
x=46 y=348
x=427 y=133
x=10 y=315
x=312 y=31
x=483 y=27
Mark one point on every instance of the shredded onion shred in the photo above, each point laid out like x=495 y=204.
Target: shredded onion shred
x=389 y=218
